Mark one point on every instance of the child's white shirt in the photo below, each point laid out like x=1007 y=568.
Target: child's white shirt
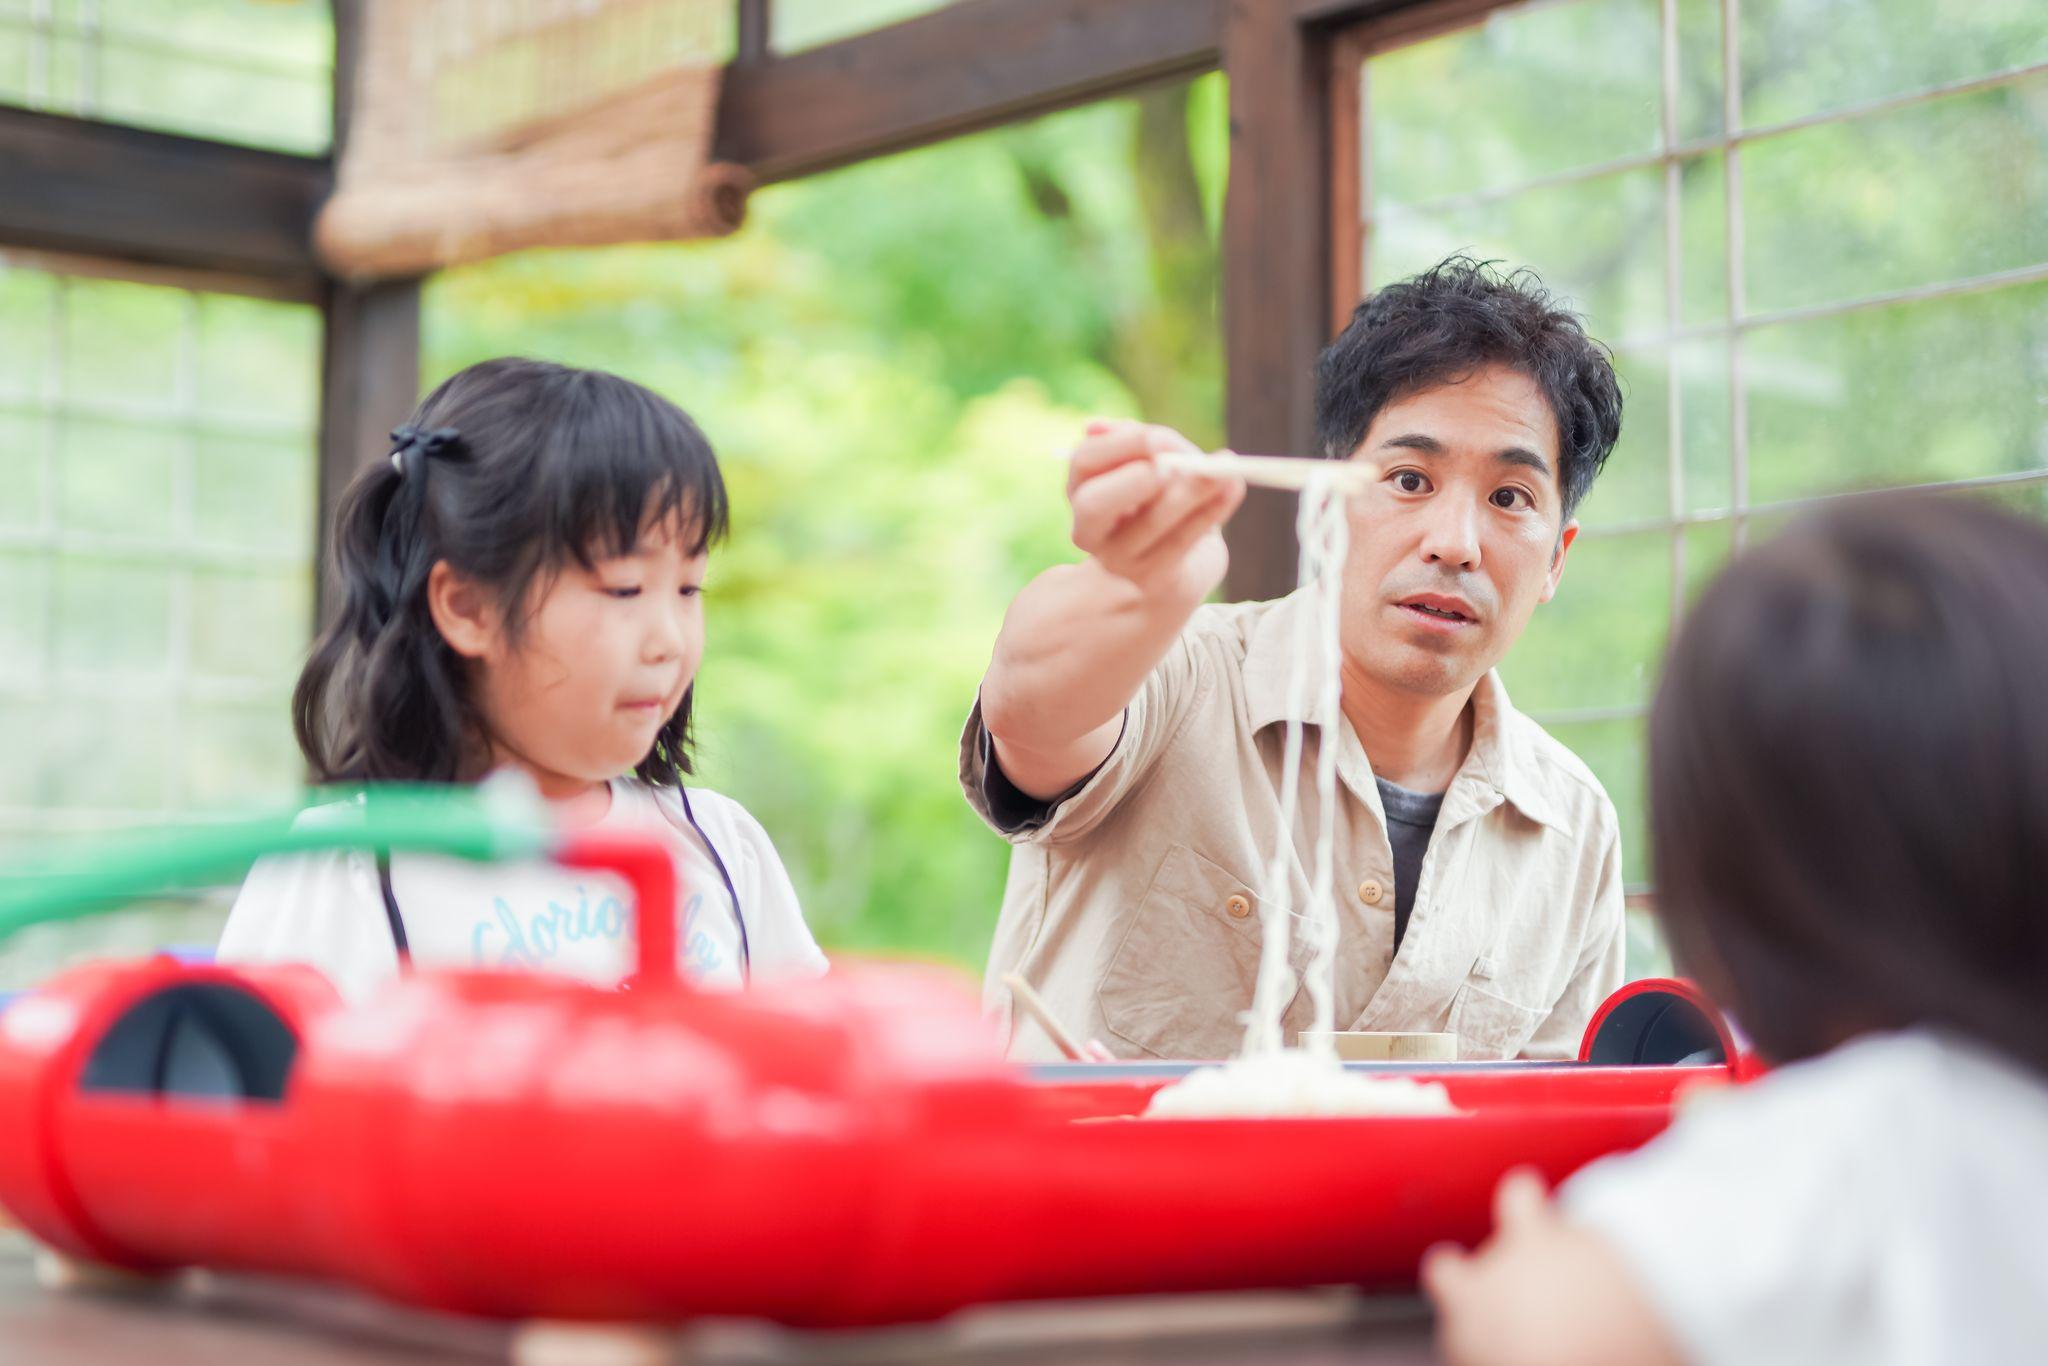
x=1882 y=1204
x=327 y=908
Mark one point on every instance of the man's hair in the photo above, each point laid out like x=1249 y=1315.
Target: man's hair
x=1849 y=780
x=1441 y=326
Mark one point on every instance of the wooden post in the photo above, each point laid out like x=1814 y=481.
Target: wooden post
x=370 y=366
x=1276 y=267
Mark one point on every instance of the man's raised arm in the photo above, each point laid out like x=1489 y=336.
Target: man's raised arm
x=1080 y=638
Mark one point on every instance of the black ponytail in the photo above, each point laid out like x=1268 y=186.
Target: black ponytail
x=509 y=470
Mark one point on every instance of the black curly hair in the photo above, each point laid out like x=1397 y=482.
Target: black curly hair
x=1447 y=322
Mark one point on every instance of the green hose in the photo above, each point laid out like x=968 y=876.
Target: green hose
x=460 y=821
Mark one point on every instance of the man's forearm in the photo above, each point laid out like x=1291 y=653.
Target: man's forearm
x=1074 y=650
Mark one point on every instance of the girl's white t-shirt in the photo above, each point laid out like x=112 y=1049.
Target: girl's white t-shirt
x=327 y=909
x=1881 y=1204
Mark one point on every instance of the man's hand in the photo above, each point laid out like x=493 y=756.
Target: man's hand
x=1158 y=529
x=1541 y=1292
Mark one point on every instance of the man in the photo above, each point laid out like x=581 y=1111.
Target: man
x=1128 y=739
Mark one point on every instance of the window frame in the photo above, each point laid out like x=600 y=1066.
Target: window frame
x=1351 y=219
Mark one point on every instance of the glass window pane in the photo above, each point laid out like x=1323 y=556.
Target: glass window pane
x=1931 y=192
x=1635 y=485
x=22 y=437
x=154 y=89
x=21 y=725
x=117 y=478
x=1614 y=750
x=284 y=32
x=1647 y=955
x=28 y=311
x=1803 y=57
x=24 y=616
x=78 y=770
x=158 y=590
x=1599 y=243
x=1596 y=644
x=234 y=70
x=1702 y=71
x=1703 y=240
x=250 y=627
x=255 y=493
x=122 y=343
x=1481 y=108
x=1914 y=393
x=259 y=360
x=1705 y=413
x=113 y=618
x=20 y=84
x=230 y=751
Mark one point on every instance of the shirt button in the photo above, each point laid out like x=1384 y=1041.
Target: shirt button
x=1370 y=892
x=1239 y=907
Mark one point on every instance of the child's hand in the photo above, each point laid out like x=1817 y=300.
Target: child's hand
x=1541 y=1292
x=1158 y=529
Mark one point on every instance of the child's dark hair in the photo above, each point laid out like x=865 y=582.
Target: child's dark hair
x=1849 y=780
x=508 y=471
x=1447 y=322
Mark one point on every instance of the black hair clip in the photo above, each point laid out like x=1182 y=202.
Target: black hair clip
x=438 y=441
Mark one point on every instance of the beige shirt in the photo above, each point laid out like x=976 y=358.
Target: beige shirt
x=1134 y=906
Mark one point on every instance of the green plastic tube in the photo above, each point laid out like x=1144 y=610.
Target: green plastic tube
x=464 y=822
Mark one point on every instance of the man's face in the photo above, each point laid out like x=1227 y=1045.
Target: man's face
x=1460 y=538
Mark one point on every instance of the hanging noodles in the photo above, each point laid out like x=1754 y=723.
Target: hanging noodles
x=1267 y=1077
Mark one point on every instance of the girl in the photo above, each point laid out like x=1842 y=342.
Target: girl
x=1849 y=808
x=521 y=593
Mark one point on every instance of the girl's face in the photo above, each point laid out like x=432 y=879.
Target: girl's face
x=598 y=667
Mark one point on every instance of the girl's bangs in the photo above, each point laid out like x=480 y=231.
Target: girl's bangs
x=629 y=466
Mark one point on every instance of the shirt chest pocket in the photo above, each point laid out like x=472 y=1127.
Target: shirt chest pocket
x=1184 y=973
x=1490 y=1025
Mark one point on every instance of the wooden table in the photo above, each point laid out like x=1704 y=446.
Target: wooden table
x=207 y=1321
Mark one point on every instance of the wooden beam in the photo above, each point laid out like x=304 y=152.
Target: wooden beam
x=99 y=189
x=972 y=65
x=1276 y=267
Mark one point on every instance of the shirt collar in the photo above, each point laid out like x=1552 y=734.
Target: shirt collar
x=1500 y=760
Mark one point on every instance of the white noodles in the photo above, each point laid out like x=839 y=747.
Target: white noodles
x=1268 y=1077
x=1293 y=1081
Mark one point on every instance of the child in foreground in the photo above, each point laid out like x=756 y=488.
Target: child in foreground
x=1849 y=809
x=521 y=593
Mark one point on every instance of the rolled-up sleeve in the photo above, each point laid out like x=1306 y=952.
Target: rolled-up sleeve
x=1163 y=704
